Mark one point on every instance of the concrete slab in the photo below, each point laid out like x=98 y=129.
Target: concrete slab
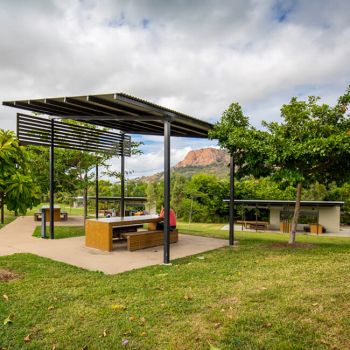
x=16 y=237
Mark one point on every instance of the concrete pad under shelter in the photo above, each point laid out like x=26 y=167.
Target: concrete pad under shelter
x=16 y=237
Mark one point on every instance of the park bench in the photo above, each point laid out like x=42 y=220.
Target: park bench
x=37 y=216
x=148 y=239
x=118 y=230
x=63 y=216
x=257 y=226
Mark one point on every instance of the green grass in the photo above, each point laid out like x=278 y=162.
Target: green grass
x=67 y=208
x=8 y=219
x=259 y=295
x=62 y=231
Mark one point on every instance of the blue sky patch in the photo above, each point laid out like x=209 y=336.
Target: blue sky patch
x=282 y=10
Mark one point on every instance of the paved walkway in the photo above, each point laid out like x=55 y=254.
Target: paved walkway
x=16 y=237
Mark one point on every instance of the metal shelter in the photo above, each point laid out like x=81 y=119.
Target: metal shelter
x=38 y=131
x=131 y=115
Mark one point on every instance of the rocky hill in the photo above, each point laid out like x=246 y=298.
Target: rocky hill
x=204 y=160
x=204 y=157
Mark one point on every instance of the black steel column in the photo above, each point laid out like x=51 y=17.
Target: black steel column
x=232 y=198
x=167 y=131
x=52 y=179
x=96 y=191
x=122 y=181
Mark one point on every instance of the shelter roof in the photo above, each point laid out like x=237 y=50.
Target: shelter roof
x=271 y=202
x=118 y=111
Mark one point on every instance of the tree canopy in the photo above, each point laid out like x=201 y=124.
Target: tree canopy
x=17 y=187
x=311 y=143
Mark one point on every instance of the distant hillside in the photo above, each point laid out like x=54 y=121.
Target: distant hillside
x=204 y=160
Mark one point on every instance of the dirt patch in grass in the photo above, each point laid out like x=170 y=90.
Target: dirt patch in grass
x=279 y=245
x=6 y=275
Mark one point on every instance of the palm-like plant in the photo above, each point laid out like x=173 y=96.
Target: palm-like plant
x=17 y=188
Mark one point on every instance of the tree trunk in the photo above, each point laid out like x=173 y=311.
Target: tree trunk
x=2 y=208
x=296 y=215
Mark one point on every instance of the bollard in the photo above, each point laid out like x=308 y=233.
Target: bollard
x=43 y=223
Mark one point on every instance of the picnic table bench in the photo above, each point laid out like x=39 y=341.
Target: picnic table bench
x=148 y=239
x=254 y=225
x=58 y=214
x=99 y=233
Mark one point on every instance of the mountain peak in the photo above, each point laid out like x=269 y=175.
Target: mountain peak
x=203 y=157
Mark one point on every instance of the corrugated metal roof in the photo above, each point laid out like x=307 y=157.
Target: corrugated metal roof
x=119 y=111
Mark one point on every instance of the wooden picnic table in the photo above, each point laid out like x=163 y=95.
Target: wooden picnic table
x=253 y=224
x=99 y=232
x=56 y=212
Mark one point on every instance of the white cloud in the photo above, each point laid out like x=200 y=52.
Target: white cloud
x=193 y=56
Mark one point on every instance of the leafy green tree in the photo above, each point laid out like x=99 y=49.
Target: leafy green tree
x=242 y=141
x=204 y=198
x=17 y=188
x=178 y=182
x=311 y=144
x=315 y=192
x=263 y=188
x=341 y=193
x=151 y=194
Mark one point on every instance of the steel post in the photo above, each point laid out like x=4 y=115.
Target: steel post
x=167 y=132
x=52 y=179
x=43 y=223
x=232 y=198
x=122 y=181
x=96 y=192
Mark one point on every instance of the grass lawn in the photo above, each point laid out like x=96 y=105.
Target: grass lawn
x=61 y=231
x=67 y=208
x=8 y=219
x=259 y=295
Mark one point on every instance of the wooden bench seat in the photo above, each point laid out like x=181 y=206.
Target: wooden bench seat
x=257 y=226
x=118 y=230
x=148 y=239
x=37 y=216
x=64 y=215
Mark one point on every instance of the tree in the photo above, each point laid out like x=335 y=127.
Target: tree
x=178 y=182
x=151 y=195
x=17 y=188
x=73 y=168
x=311 y=144
x=242 y=141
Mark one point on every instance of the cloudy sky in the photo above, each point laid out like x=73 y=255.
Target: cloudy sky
x=195 y=56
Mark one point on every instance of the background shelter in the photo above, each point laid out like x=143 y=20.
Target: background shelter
x=325 y=213
x=128 y=114
x=39 y=131
x=109 y=202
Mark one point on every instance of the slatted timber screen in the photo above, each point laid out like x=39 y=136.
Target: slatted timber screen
x=32 y=130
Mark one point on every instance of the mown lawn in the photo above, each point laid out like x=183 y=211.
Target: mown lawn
x=259 y=295
x=8 y=219
x=65 y=207
x=62 y=231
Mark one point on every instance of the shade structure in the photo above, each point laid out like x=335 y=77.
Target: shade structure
x=127 y=114
x=33 y=130
x=118 y=111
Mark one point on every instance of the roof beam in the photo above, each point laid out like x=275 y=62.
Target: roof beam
x=117 y=117
x=114 y=106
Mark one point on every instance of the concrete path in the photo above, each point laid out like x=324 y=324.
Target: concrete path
x=16 y=237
